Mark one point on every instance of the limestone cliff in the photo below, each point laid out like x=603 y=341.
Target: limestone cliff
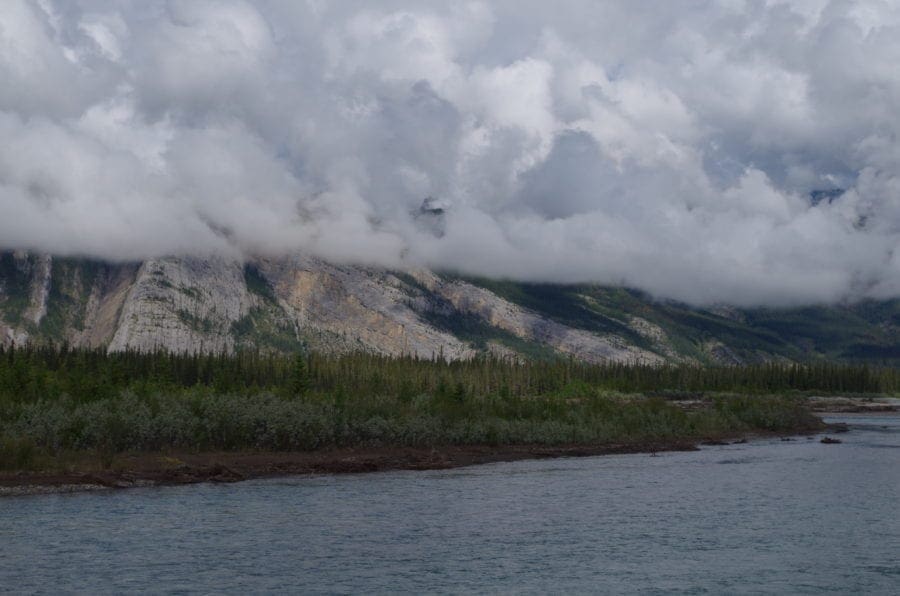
x=213 y=304
x=285 y=304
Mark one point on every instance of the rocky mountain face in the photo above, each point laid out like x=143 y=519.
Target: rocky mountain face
x=213 y=304
x=189 y=304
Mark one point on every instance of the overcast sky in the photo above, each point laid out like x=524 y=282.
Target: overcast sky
x=674 y=146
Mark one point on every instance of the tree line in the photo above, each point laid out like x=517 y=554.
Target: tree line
x=40 y=372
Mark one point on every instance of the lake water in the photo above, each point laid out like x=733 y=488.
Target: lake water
x=763 y=517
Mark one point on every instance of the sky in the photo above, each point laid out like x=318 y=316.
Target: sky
x=731 y=151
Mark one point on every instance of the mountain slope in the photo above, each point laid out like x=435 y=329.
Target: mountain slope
x=192 y=304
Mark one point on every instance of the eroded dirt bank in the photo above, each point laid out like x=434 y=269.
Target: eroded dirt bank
x=155 y=469
x=133 y=470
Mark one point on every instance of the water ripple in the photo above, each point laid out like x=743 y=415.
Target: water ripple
x=777 y=517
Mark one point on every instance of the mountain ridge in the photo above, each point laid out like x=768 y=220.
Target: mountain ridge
x=190 y=304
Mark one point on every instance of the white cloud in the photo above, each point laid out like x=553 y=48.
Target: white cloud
x=671 y=147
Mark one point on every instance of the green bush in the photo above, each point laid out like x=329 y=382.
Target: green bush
x=16 y=453
x=201 y=420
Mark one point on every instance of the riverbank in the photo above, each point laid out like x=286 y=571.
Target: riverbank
x=838 y=404
x=85 y=472
x=175 y=469
x=132 y=441
x=136 y=470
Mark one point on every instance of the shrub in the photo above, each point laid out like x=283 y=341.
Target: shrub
x=16 y=453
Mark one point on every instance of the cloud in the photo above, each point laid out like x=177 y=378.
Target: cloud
x=673 y=148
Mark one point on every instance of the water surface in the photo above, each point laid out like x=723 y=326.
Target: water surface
x=763 y=517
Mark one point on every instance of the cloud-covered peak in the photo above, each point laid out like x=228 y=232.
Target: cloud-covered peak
x=733 y=151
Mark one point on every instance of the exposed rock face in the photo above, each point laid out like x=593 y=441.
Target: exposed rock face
x=366 y=308
x=184 y=305
x=104 y=307
x=721 y=353
x=40 y=290
x=24 y=286
x=522 y=323
x=285 y=304
x=657 y=337
x=191 y=304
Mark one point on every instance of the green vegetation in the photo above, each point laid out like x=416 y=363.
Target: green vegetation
x=16 y=453
x=257 y=283
x=69 y=291
x=196 y=322
x=46 y=373
x=190 y=292
x=61 y=400
x=203 y=420
x=263 y=328
x=14 y=286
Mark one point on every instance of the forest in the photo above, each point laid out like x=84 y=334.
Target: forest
x=45 y=373
x=54 y=400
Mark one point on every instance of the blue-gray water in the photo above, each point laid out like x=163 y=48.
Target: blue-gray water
x=763 y=517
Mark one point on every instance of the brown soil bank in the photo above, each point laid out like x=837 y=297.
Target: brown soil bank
x=135 y=470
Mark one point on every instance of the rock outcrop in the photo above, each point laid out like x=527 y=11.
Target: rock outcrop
x=502 y=314
x=219 y=305
x=184 y=305
x=191 y=304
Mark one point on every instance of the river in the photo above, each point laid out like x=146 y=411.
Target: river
x=768 y=516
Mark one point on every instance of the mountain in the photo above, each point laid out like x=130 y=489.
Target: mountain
x=215 y=304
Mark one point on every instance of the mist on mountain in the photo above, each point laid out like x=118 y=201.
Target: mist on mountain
x=690 y=150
